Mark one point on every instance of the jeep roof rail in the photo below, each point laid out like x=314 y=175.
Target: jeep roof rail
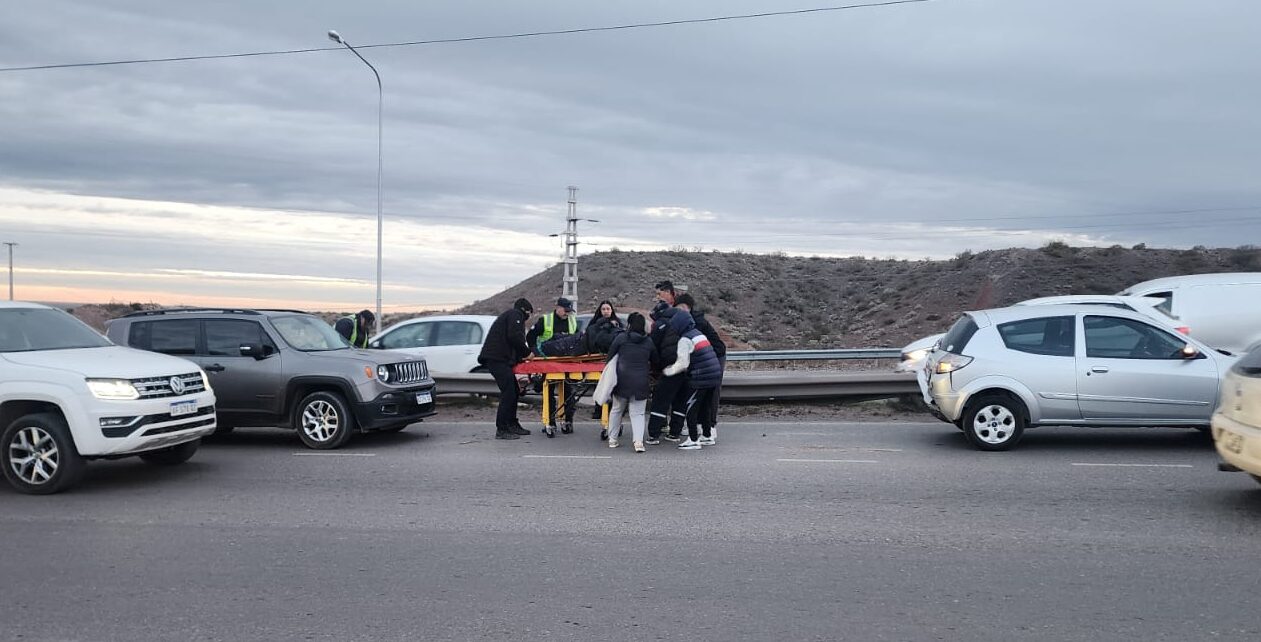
x=282 y=310
x=154 y=313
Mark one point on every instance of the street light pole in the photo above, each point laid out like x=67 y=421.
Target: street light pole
x=11 y=246
x=337 y=38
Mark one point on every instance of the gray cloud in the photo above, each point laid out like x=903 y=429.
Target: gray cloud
x=871 y=131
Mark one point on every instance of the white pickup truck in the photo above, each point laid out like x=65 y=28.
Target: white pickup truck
x=67 y=394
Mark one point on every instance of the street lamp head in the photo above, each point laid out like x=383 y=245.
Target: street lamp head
x=335 y=37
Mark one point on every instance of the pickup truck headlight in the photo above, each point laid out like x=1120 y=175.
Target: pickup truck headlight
x=113 y=389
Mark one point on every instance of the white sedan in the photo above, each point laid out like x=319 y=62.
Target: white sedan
x=449 y=344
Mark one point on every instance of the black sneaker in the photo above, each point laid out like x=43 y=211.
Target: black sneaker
x=550 y=431
x=504 y=434
x=670 y=437
x=652 y=441
x=568 y=428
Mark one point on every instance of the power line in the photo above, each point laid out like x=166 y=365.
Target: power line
x=441 y=41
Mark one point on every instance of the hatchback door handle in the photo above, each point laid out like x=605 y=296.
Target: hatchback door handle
x=214 y=367
x=1099 y=369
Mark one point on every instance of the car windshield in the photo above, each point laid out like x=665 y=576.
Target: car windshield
x=308 y=334
x=31 y=329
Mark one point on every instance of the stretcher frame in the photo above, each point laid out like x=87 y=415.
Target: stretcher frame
x=575 y=376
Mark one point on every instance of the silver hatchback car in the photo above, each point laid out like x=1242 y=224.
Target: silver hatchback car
x=997 y=372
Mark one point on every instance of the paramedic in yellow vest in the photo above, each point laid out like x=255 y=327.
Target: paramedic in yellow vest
x=356 y=329
x=562 y=321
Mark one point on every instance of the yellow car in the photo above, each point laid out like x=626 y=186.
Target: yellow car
x=1237 y=422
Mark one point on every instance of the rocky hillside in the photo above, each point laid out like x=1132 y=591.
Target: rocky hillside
x=782 y=301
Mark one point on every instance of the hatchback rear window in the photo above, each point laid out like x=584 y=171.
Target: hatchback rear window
x=959 y=335
x=1051 y=336
x=1250 y=365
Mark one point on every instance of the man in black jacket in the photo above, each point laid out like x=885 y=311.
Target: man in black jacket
x=505 y=346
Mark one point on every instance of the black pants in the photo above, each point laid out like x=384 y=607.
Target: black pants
x=506 y=417
x=698 y=408
x=669 y=405
x=710 y=418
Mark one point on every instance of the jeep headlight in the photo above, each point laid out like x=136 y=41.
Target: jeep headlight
x=113 y=389
x=383 y=373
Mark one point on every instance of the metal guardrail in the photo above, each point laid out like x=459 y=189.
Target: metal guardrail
x=814 y=355
x=750 y=386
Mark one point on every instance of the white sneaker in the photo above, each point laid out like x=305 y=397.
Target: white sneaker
x=688 y=444
x=612 y=443
x=707 y=441
x=639 y=446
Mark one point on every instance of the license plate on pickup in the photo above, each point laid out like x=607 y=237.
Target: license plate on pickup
x=423 y=398
x=1232 y=442
x=181 y=408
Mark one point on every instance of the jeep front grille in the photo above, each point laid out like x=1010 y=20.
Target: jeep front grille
x=408 y=372
x=158 y=387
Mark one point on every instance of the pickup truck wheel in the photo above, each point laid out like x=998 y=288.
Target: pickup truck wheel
x=323 y=421
x=38 y=456
x=994 y=422
x=173 y=455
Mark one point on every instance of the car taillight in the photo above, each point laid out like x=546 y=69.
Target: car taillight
x=1184 y=330
x=951 y=363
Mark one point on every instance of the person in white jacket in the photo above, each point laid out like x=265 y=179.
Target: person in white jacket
x=695 y=356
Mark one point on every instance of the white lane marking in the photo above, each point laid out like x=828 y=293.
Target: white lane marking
x=567 y=456
x=334 y=454
x=833 y=461
x=1139 y=465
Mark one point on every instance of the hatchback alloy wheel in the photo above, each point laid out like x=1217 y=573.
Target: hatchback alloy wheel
x=994 y=424
x=994 y=421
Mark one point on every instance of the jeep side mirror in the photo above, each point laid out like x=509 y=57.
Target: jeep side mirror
x=375 y=345
x=253 y=350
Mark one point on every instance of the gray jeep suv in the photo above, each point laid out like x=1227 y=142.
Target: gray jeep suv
x=287 y=368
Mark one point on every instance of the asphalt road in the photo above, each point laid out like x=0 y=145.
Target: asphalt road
x=789 y=531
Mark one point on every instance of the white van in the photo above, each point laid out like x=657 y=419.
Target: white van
x=1222 y=310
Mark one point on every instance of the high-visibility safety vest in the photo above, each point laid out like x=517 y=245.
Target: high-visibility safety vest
x=549 y=325
x=354 y=333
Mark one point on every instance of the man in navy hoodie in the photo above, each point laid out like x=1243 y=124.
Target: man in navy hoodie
x=695 y=356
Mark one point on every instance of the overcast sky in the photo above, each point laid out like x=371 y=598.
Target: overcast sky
x=918 y=130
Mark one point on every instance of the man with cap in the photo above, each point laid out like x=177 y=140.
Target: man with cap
x=561 y=321
x=356 y=328
x=505 y=347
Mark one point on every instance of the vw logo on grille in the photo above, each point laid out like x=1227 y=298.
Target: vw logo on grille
x=177 y=385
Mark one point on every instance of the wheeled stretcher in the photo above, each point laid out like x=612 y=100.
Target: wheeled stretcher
x=576 y=377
